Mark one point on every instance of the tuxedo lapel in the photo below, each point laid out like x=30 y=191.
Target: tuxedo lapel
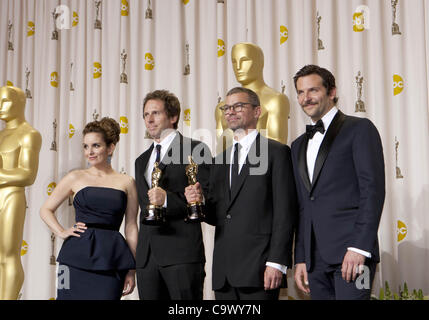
x=331 y=134
x=145 y=160
x=225 y=165
x=241 y=178
x=302 y=163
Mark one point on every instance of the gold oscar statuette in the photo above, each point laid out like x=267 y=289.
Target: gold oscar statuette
x=95 y=115
x=195 y=209
x=20 y=145
x=359 y=105
x=398 y=170
x=395 y=26
x=54 y=142
x=148 y=14
x=27 y=80
x=154 y=214
x=320 y=45
x=97 y=23
x=52 y=260
x=55 y=16
x=9 y=32
x=71 y=72
x=187 y=70
x=248 y=64
x=123 y=77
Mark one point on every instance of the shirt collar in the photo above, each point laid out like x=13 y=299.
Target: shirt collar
x=165 y=143
x=327 y=118
x=247 y=141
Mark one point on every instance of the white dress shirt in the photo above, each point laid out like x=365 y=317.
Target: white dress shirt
x=312 y=151
x=165 y=144
x=246 y=143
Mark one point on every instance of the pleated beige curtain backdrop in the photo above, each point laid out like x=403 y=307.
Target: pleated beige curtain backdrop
x=80 y=60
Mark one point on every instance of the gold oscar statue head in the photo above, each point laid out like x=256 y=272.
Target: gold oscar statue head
x=13 y=101
x=248 y=62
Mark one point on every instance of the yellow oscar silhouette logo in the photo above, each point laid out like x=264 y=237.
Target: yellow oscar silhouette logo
x=51 y=188
x=97 y=70
x=150 y=61
x=187 y=117
x=75 y=19
x=9 y=83
x=358 y=22
x=24 y=248
x=71 y=131
x=124 y=8
x=284 y=34
x=185 y=2
x=54 y=79
x=398 y=84
x=123 y=122
x=402 y=230
x=31 y=28
x=220 y=47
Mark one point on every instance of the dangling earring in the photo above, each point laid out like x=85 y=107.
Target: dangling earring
x=109 y=159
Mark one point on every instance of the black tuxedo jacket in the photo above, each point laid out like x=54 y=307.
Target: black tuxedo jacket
x=343 y=203
x=255 y=221
x=177 y=241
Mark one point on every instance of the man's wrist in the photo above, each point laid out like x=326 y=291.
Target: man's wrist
x=362 y=252
x=277 y=266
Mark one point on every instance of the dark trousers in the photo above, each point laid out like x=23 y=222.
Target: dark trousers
x=326 y=282
x=175 y=282
x=233 y=293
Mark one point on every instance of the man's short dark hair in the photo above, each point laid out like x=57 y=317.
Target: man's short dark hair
x=171 y=103
x=327 y=77
x=253 y=97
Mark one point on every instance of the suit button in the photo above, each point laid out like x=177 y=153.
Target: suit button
x=228 y=216
x=312 y=198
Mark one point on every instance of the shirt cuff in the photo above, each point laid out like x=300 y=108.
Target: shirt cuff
x=364 y=253
x=165 y=202
x=277 y=266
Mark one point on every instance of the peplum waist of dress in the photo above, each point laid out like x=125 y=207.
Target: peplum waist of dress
x=97 y=249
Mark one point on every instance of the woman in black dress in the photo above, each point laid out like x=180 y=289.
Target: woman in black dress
x=96 y=262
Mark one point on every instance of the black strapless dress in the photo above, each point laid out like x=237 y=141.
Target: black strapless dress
x=94 y=266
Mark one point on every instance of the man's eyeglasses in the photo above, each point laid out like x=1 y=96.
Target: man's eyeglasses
x=237 y=107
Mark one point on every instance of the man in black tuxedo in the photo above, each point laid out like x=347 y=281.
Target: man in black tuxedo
x=339 y=174
x=170 y=257
x=252 y=202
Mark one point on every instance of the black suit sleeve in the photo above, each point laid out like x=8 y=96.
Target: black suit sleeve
x=284 y=208
x=139 y=174
x=210 y=197
x=203 y=176
x=369 y=165
x=299 y=256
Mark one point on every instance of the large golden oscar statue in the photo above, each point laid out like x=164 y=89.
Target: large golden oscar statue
x=248 y=64
x=19 y=160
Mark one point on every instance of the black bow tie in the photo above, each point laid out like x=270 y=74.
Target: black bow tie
x=311 y=130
